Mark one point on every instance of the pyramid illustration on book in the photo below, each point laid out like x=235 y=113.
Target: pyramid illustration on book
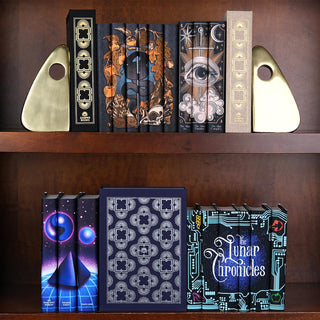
x=70 y=273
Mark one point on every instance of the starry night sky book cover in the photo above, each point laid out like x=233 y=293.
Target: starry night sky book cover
x=142 y=265
x=66 y=273
x=87 y=252
x=49 y=262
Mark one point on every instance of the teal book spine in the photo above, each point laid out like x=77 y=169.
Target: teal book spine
x=210 y=259
x=194 y=259
x=278 y=235
x=260 y=242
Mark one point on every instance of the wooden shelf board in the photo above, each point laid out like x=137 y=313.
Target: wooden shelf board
x=159 y=143
x=23 y=302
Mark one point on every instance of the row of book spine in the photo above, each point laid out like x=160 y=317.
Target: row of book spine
x=185 y=77
x=236 y=258
x=69 y=270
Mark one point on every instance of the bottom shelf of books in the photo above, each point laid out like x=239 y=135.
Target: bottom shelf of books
x=23 y=302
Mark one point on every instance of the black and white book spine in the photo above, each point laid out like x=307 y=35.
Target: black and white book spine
x=186 y=34
x=216 y=76
x=81 y=40
x=199 y=76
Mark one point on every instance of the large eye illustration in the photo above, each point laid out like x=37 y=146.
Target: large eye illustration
x=201 y=72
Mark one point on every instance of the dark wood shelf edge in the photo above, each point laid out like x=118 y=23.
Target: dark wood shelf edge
x=23 y=302
x=159 y=143
x=167 y=316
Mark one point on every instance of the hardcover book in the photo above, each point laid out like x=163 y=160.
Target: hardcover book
x=239 y=71
x=49 y=262
x=171 y=77
x=199 y=76
x=87 y=251
x=156 y=77
x=133 y=67
x=143 y=40
x=142 y=265
x=278 y=239
x=66 y=274
x=195 y=297
x=260 y=234
x=186 y=34
x=202 y=76
x=104 y=74
x=216 y=77
x=119 y=98
x=243 y=258
x=81 y=40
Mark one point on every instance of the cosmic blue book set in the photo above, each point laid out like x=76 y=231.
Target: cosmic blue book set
x=131 y=77
x=69 y=273
x=154 y=253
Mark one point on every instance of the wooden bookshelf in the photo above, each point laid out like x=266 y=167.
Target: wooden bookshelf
x=221 y=168
x=159 y=143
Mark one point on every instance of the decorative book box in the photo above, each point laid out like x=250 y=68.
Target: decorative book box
x=142 y=265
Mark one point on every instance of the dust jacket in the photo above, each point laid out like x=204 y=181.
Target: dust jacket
x=87 y=253
x=49 y=250
x=243 y=262
x=142 y=265
x=81 y=39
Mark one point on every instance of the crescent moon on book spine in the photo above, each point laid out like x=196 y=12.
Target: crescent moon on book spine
x=213 y=31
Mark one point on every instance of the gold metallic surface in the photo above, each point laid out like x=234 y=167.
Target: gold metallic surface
x=274 y=107
x=47 y=105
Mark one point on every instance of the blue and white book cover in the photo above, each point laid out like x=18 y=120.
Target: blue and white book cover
x=142 y=264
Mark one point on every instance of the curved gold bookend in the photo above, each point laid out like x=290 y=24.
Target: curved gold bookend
x=47 y=105
x=274 y=107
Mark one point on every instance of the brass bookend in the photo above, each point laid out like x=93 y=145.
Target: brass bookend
x=274 y=107
x=47 y=105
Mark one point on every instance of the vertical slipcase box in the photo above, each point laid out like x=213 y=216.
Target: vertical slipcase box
x=142 y=256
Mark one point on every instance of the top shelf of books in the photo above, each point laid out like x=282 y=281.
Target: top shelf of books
x=159 y=143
